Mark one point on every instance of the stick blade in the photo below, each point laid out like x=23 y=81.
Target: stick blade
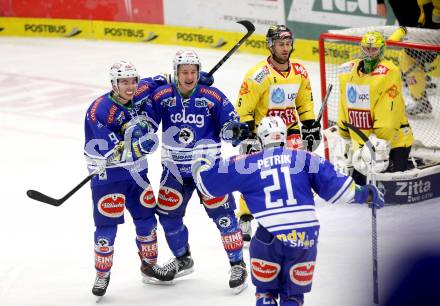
x=38 y=196
x=247 y=24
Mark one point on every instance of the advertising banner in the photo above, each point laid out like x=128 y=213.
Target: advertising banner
x=309 y=18
x=222 y=15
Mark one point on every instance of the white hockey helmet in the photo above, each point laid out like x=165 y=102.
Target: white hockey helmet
x=121 y=70
x=272 y=131
x=186 y=57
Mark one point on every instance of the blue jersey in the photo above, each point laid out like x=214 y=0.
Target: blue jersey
x=188 y=121
x=105 y=123
x=278 y=186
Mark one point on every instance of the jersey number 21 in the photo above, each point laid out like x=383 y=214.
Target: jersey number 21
x=275 y=174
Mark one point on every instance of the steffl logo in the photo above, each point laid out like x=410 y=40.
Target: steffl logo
x=342 y=13
x=413 y=188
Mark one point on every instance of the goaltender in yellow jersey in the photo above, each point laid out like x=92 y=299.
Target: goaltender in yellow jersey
x=371 y=99
x=277 y=86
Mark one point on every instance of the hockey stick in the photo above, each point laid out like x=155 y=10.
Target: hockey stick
x=38 y=196
x=371 y=180
x=324 y=102
x=250 y=29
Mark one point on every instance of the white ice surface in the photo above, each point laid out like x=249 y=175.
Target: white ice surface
x=46 y=254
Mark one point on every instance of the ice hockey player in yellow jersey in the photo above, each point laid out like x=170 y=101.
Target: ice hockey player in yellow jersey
x=277 y=86
x=371 y=99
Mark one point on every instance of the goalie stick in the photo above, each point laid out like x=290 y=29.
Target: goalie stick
x=250 y=29
x=371 y=180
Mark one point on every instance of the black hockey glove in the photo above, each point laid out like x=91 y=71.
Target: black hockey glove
x=250 y=145
x=206 y=78
x=235 y=132
x=311 y=134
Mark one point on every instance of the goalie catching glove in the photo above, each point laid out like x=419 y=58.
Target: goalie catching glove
x=362 y=156
x=311 y=134
x=234 y=132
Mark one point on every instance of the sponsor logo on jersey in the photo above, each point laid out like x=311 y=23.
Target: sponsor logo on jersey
x=207 y=39
x=149 y=238
x=244 y=89
x=297 y=239
x=196 y=119
x=147 y=198
x=283 y=95
x=118 y=32
x=380 y=69
x=149 y=250
x=203 y=102
x=358 y=95
x=345 y=68
x=392 y=91
x=169 y=198
x=214 y=202
x=211 y=92
x=302 y=274
x=95 y=108
x=103 y=262
x=360 y=118
x=112 y=205
x=168 y=102
x=163 y=92
x=111 y=114
x=261 y=74
x=233 y=241
x=299 y=69
x=288 y=115
x=141 y=89
x=264 y=271
x=45 y=28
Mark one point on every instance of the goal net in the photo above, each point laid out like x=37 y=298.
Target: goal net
x=418 y=58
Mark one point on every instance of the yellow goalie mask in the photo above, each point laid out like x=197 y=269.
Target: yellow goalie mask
x=372 y=50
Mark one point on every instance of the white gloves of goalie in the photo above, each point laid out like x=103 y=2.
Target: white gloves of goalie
x=362 y=156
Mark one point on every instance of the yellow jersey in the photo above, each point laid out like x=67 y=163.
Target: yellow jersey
x=373 y=102
x=265 y=91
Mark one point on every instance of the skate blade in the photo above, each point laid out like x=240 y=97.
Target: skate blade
x=154 y=281
x=99 y=298
x=239 y=289
x=184 y=272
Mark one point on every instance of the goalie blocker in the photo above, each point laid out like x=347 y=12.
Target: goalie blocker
x=408 y=187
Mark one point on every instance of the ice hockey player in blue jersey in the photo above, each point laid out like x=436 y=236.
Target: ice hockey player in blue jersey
x=117 y=139
x=278 y=183
x=191 y=112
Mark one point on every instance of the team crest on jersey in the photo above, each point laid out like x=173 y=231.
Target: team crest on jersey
x=186 y=135
x=103 y=245
x=264 y=271
x=244 y=89
x=169 y=198
x=278 y=96
x=112 y=205
x=147 y=198
x=302 y=274
x=393 y=91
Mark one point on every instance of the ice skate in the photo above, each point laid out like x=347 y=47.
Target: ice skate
x=154 y=274
x=237 y=281
x=245 y=224
x=101 y=283
x=181 y=265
